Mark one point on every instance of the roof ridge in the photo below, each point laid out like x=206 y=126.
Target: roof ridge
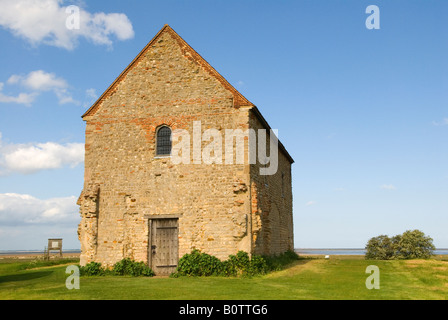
x=239 y=99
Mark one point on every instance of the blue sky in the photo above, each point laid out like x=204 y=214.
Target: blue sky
x=364 y=113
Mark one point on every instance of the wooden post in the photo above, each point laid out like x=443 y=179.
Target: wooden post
x=46 y=257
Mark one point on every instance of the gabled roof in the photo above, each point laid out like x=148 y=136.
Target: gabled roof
x=239 y=99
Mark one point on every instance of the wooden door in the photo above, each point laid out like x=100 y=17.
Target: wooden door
x=163 y=250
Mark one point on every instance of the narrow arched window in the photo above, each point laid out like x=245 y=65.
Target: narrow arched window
x=163 y=141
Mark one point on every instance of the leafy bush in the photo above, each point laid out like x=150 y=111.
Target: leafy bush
x=132 y=268
x=380 y=248
x=256 y=266
x=92 y=269
x=409 y=245
x=203 y=264
x=122 y=267
x=414 y=245
x=237 y=264
x=198 y=264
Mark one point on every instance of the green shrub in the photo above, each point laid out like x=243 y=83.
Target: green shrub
x=409 y=245
x=203 y=264
x=381 y=248
x=123 y=267
x=92 y=269
x=228 y=268
x=198 y=264
x=414 y=245
x=257 y=266
x=132 y=268
x=242 y=264
x=239 y=263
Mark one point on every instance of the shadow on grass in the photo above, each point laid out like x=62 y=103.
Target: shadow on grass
x=297 y=263
x=24 y=276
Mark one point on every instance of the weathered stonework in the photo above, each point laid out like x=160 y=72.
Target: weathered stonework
x=219 y=208
x=88 y=227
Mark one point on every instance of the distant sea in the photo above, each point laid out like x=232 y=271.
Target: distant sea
x=348 y=251
x=15 y=252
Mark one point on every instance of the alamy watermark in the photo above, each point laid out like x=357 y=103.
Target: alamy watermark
x=72 y=281
x=373 y=280
x=73 y=21
x=236 y=151
x=373 y=20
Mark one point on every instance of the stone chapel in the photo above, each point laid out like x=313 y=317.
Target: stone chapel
x=140 y=202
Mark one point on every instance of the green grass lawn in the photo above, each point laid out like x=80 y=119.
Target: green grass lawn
x=309 y=278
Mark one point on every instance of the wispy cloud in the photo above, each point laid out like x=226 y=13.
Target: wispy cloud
x=91 y=97
x=32 y=157
x=443 y=122
x=20 y=209
x=38 y=81
x=310 y=203
x=388 y=187
x=22 y=98
x=44 y=22
x=91 y=93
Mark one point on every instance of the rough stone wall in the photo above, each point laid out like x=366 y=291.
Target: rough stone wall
x=271 y=203
x=88 y=227
x=222 y=208
x=165 y=86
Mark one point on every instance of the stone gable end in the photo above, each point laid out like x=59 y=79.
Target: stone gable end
x=128 y=189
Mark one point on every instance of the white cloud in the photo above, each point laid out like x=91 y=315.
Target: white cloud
x=45 y=21
x=39 y=81
x=310 y=203
x=21 y=98
x=91 y=97
x=29 y=158
x=91 y=93
x=19 y=209
x=13 y=79
x=388 y=187
x=65 y=97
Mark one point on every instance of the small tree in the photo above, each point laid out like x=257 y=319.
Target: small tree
x=379 y=248
x=414 y=244
x=409 y=245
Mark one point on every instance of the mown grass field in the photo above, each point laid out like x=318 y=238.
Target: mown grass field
x=340 y=277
